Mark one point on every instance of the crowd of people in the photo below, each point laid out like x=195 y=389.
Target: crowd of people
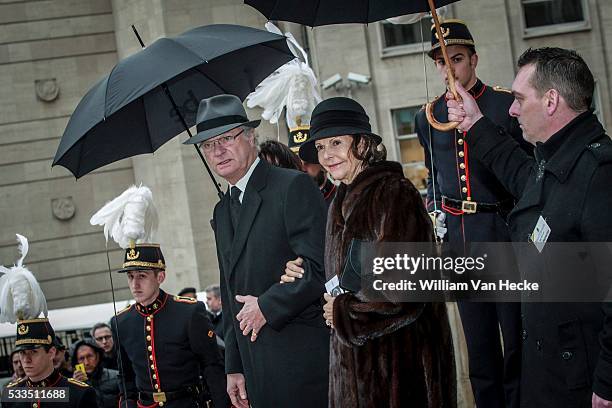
x=286 y=228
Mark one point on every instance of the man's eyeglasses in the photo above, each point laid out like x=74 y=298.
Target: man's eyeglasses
x=223 y=141
x=103 y=338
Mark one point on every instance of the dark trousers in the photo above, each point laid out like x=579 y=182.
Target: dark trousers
x=495 y=376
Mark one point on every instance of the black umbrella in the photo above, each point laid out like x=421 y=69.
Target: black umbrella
x=153 y=95
x=323 y=12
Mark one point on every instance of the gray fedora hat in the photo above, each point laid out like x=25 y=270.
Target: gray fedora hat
x=219 y=114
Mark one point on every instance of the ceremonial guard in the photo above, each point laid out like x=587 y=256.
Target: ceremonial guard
x=23 y=301
x=474 y=204
x=293 y=87
x=165 y=341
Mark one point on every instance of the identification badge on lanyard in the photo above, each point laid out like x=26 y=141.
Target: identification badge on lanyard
x=540 y=234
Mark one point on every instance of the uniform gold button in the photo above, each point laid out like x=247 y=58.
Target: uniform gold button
x=148 y=328
x=151 y=357
x=460 y=141
x=461 y=154
x=156 y=387
x=152 y=367
x=149 y=348
x=161 y=404
x=462 y=166
x=148 y=338
x=34 y=405
x=154 y=377
x=148 y=318
x=464 y=189
x=462 y=178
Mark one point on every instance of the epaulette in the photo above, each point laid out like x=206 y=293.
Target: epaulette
x=77 y=382
x=601 y=151
x=14 y=383
x=125 y=309
x=501 y=89
x=185 y=299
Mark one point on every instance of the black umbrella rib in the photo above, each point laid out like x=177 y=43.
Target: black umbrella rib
x=209 y=78
x=189 y=50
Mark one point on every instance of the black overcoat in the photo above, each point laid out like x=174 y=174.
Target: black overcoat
x=567 y=347
x=282 y=217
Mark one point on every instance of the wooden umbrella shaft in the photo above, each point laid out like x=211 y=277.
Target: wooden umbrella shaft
x=450 y=74
x=449 y=69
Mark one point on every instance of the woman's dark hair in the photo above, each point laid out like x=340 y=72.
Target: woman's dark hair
x=279 y=154
x=370 y=152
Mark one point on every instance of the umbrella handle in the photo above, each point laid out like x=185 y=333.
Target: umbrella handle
x=450 y=74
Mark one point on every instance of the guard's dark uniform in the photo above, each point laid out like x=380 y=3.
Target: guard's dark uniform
x=461 y=181
x=80 y=394
x=164 y=346
x=37 y=333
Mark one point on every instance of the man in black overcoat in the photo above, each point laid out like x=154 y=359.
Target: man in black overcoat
x=276 y=341
x=564 y=191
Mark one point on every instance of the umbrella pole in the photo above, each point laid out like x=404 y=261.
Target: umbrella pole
x=178 y=112
x=450 y=74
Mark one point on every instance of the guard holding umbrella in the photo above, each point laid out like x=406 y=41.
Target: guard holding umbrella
x=474 y=204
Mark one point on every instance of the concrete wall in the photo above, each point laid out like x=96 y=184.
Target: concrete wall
x=73 y=42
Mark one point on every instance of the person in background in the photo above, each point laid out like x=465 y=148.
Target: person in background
x=103 y=336
x=189 y=292
x=104 y=381
x=215 y=312
x=60 y=360
x=279 y=155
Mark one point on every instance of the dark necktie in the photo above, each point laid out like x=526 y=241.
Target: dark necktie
x=235 y=205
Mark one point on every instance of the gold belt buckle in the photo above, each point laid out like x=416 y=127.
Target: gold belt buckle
x=468 y=207
x=159 y=396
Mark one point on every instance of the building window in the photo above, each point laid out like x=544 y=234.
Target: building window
x=411 y=154
x=551 y=16
x=398 y=39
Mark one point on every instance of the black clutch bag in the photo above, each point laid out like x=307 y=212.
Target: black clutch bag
x=350 y=279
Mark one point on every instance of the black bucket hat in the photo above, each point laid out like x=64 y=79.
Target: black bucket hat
x=220 y=114
x=336 y=117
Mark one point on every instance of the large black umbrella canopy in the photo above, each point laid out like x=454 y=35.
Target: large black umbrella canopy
x=323 y=12
x=128 y=112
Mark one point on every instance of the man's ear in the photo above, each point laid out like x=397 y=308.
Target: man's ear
x=474 y=60
x=161 y=277
x=552 y=100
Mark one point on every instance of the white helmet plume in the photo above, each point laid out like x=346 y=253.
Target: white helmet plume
x=293 y=85
x=20 y=294
x=130 y=218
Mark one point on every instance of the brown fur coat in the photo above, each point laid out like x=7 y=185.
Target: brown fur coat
x=396 y=355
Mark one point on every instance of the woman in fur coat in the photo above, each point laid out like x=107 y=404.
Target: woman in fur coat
x=382 y=354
